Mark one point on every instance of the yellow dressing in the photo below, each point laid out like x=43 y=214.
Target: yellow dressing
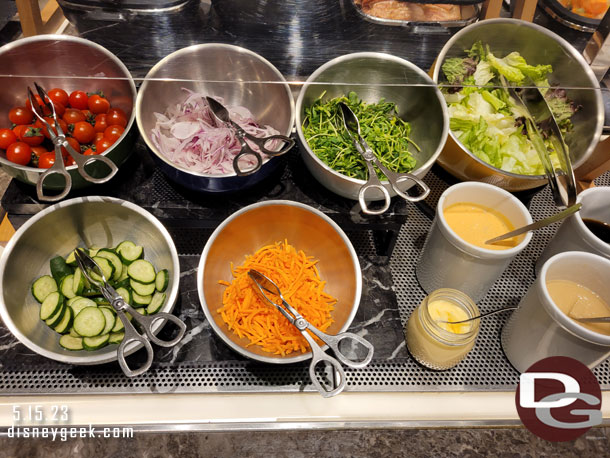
x=577 y=301
x=442 y=310
x=475 y=224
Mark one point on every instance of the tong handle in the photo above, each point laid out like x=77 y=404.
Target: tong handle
x=246 y=151
x=319 y=356
x=334 y=341
x=131 y=335
x=56 y=169
x=395 y=178
x=373 y=183
x=82 y=161
x=147 y=323
x=261 y=142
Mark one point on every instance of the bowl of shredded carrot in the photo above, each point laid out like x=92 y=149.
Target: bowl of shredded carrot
x=300 y=249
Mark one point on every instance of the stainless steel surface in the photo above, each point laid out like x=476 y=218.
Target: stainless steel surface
x=538 y=224
x=222 y=114
x=56 y=230
x=269 y=222
x=482 y=315
x=374 y=76
x=241 y=77
x=131 y=335
x=70 y=63
x=570 y=71
x=59 y=141
x=597 y=50
x=352 y=126
x=597 y=319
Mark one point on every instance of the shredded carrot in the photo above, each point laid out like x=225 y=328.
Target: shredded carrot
x=299 y=280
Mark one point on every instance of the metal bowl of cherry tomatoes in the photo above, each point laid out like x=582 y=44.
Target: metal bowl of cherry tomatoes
x=93 y=94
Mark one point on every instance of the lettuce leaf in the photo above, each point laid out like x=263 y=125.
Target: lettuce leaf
x=454 y=70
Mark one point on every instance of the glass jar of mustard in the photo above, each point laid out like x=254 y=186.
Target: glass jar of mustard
x=440 y=345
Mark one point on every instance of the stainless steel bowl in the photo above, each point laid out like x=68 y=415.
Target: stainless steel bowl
x=70 y=63
x=58 y=229
x=374 y=76
x=268 y=222
x=538 y=46
x=240 y=77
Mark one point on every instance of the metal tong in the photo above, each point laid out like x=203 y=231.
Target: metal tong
x=222 y=114
x=352 y=125
x=87 y=264
x=265 y=285
x=537 y=111
x=59 y=140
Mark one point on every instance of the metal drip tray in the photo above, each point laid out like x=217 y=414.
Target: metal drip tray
x=202 y=363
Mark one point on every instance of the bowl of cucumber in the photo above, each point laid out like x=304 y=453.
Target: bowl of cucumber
x=42 y=301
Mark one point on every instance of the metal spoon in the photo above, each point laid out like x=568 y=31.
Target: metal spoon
x=538 y=224
x=505 y=309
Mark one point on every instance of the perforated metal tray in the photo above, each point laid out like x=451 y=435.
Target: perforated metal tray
x=203 y=363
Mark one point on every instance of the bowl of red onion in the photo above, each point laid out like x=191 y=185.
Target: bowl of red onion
x=189 y=143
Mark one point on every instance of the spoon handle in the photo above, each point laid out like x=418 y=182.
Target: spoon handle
x=505 y=309
x=538 y=224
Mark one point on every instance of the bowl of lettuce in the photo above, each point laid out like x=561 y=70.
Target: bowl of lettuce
x=488 y=140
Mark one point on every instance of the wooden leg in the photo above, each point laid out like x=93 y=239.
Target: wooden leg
x=598 y=163
x=491 y=9
x=34 y=21
x=525 y=9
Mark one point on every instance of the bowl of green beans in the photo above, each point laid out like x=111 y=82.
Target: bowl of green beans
x=402 y=114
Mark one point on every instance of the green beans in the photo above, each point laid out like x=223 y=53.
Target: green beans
x=383 y=130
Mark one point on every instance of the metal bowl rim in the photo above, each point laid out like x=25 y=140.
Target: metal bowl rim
x=566 y=46
x=188 y=49
x=372 y=55
x=17 y=43
x=91 y=358
x=204 y=257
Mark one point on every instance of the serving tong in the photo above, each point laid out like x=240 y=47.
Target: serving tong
x=59 y=141
x=352 y=126
x=222 y=115
x=537 y=112
x=264 y=286
x=87 y=264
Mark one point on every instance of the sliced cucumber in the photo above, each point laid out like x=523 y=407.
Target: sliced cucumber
x=66 y=323
x=100 y=300
x=66 y=286
x=72 y=332
x=114 y=260
x=162 y=280
x=43 y=286
x=110 y=317
x=124 y=274
x=105 y=266
x=71 y=343
x=89 y=322
x=129 y=251
x=156 y=303
x=82 y=303
x=118 y=325
x=141 y=288
x=90 y=292
x=56 y=318
x=142 y=271
x=73 y=300
x=116 y=337
x=71 y=259
x=140 y=301
x=125 y=294
x=141 y=311
x=94 y=343
x=79 y=282
x=59 y=268
x=51 y=305
x=93 y=250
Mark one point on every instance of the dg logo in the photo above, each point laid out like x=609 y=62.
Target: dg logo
x=559 y=399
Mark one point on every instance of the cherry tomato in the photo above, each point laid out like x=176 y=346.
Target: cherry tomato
x=46 y=160
x=58 y=95
x=39 y=103
x=83 y=132
x=59 y=109
x=19 y=153
x=73 y=143
x=100 y=123
x=31 y=135
x=78 y=99
x=20 y=115
x=113 y=133
x=68 y=160
x=89 y=117
x=72 y=116
x=17 y=130
x=62 y=125
x=102 y=145
x=90 y=152
x=7 y=136
x=39 y=150
x=98 y=104
x=116 y=117
x=98 y=136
